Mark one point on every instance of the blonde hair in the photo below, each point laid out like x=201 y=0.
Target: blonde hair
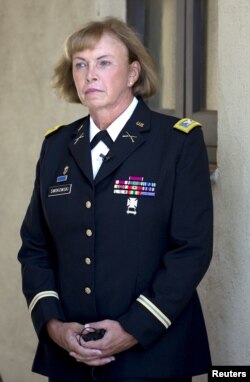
x=86 y=38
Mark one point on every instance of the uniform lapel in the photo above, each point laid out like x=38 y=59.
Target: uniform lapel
x=129 y=140
x=80 y=149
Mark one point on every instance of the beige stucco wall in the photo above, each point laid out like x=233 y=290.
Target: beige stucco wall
x=168 y=56
x=227 y=285
x=31 y=35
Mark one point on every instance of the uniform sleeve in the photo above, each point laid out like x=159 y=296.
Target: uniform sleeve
x=36 y=256
x=185 y=264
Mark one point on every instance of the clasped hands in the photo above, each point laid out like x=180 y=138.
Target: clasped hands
x=92 y=353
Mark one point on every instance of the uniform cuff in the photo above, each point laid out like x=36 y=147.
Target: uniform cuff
x=45 y=309
x=143 y=322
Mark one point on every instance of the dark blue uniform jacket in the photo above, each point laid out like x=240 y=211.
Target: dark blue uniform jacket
x=110 y=249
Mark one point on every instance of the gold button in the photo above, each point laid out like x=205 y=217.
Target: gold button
x=89 y=232
x=87 y=290
x=88 y=204
x=87 y=260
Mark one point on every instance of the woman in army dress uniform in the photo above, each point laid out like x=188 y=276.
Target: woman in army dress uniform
x=118 y=233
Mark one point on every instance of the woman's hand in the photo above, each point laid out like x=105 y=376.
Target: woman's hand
x=115 y=340
x=66 y=335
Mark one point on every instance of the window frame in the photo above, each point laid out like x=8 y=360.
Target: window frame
x=190 y=63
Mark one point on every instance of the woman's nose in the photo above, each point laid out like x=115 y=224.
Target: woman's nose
x=91 y=73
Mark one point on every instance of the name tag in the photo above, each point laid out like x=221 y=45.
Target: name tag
x=60 y=190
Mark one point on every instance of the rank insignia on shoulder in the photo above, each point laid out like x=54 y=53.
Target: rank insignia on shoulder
x=186 y=125
x=50 y=131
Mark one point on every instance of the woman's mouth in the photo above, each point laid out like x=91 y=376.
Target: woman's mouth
x=92 y=90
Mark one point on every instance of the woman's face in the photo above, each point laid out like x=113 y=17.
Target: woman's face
x=103 y=77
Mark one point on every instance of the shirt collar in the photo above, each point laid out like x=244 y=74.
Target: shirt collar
x=116 y=127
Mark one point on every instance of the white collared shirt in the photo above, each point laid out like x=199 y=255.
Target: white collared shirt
x=114 y=130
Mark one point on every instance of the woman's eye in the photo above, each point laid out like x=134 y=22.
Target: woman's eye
x=80 y=65
x=103 y=63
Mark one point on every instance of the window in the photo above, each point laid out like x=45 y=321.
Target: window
x=182 y=37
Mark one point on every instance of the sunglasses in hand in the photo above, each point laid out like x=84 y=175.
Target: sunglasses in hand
x=91 y=334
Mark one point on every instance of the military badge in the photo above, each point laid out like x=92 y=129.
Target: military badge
x=132 y=204
x=132 y=137
x=66 y=169
x=64 y=177
x=78 y=138
x=134 y=186
x=139 y=123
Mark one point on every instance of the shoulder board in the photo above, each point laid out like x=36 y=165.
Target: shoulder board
x=186 y=125
x=57 y=127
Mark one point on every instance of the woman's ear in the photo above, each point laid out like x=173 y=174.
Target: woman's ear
x=134 y=73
